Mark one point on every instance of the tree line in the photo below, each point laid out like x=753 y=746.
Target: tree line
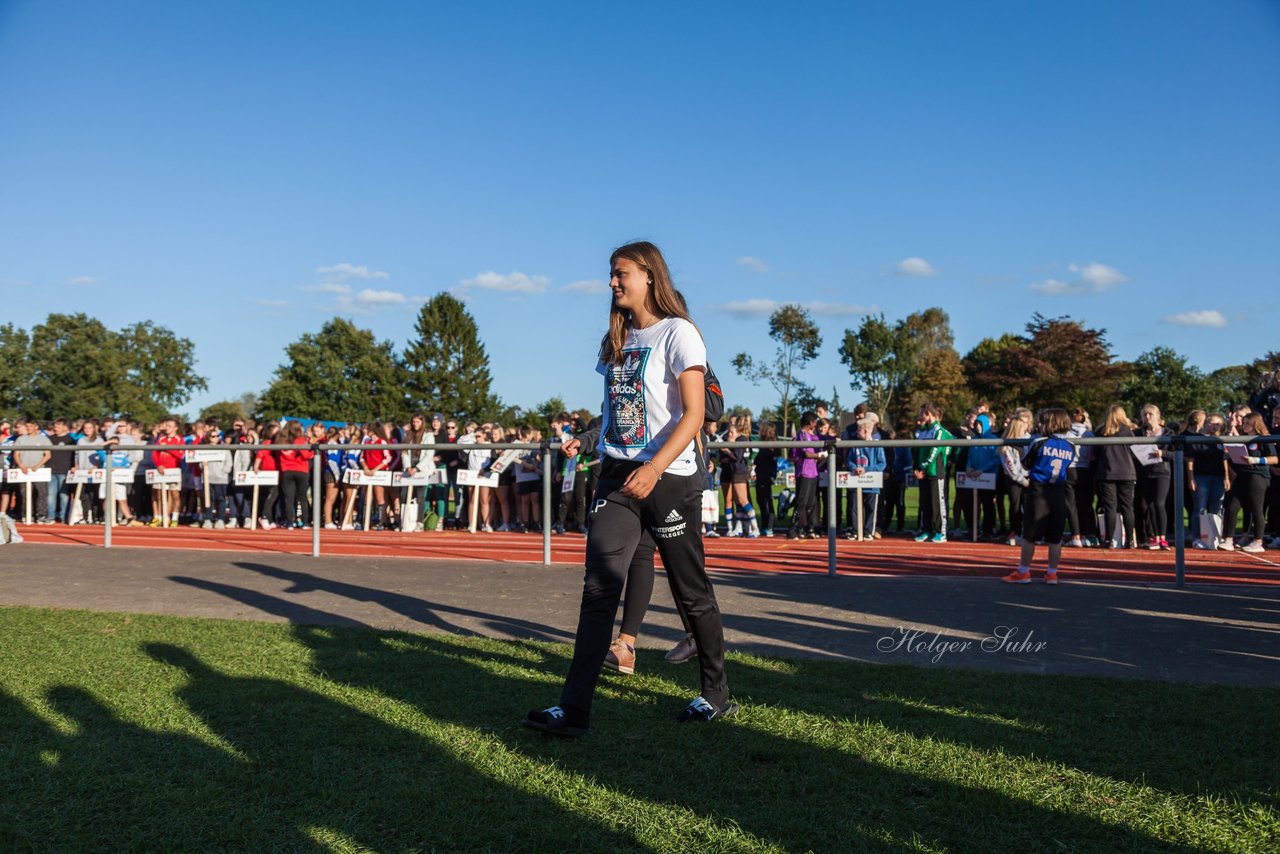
x=72 y=365
x=898 y=365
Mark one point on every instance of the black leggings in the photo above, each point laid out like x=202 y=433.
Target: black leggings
x=1080 y=515
x=1250 y=491
x=764 y=505
x=1015 y=507
x=671 y=514
x=1115 y=499
x=1156 y=492
x=293 y=487
x=805 y=514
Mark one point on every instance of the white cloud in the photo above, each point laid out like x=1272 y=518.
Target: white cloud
x=271 y=303
x=82 y=280
x=587 y=286
x=1053 y=287
x=327 y=288
x=766 y=307
x=753 y=264
x=836 y=309
x=1092 y=279
x=751 y=307
x=915 y=267
x=1099 y=276
x=345 y=271
x=368 y=296
x=512 y=283
x=1210 y=317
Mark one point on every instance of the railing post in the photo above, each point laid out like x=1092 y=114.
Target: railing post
x=546 y=504
x=317 y=500
x=1179 y=517
x=832 y=511
x=109 y=504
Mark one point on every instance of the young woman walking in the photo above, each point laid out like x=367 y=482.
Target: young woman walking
x=653 y=361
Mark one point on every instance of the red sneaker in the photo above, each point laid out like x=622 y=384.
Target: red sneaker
x=1016 y=577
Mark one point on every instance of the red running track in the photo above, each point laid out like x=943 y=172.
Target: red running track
x=887 y=557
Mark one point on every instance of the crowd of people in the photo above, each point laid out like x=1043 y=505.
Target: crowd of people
x=210 y=492
x=1114 y=497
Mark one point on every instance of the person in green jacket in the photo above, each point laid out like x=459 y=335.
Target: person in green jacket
x=930 y=470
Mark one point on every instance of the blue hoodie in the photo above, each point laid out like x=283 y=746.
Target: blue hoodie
x=985 y=458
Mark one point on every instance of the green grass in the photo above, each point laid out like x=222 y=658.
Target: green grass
x=145 y=733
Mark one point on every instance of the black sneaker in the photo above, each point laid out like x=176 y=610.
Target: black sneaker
x=701 y=710
x=552 y=721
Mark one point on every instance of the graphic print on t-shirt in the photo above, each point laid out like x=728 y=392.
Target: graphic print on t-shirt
x=626 y=401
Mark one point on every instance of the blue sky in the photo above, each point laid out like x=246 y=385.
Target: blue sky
x=241 y=172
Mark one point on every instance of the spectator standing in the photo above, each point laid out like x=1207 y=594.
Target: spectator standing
x=1155 y=479
x=60 y=464
x=1207 y=471
x=765 y=470
x=90 y=437
x=1080 y=514
x=295 y=466
x=1046 y=462
x=930 y=471
x=1250 y=479
x=862 y=460
x=1115 y=478
x=38 y=457
x=805 y=459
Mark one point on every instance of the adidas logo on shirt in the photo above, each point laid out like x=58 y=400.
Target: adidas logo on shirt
x=673 y=516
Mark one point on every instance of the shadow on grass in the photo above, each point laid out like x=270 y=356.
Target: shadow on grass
x=794 y=793
x=290 y=770
x=431 y=614
x=1127 y=731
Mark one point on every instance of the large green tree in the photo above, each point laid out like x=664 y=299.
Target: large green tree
x=798 y=342
x=76 y=366
x=903 y=365
x=1059 y=362
x=341 y=373
x=1163 y=377
x=15 y=369
x=446 y=366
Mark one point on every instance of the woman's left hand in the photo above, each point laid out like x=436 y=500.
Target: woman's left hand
x=640 y=482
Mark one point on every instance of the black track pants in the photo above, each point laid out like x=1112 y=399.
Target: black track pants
x=671 y=514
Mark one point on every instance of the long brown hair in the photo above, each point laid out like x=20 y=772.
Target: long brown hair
x=666 y=302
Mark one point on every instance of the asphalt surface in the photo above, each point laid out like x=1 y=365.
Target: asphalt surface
x=1212 y=633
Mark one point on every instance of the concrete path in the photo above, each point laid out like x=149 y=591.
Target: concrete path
x=1228 y=634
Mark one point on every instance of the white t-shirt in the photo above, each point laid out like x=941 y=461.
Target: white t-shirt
x=642 y=395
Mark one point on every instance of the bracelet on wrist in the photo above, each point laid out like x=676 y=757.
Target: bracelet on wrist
x=650 y=464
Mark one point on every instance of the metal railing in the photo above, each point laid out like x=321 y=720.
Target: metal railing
x=1177 y=444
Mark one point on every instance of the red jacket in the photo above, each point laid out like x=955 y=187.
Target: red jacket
x=167 y=459
x=371 y=459
x=296 y=460
x=267 y=461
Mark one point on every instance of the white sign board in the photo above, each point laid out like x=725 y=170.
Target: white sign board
x=170 y=476
x=467 y=477
x=33 y=476
x=986 y=480
x=257 y=478
x=866 y=480
x=421 y=478
x=791 y=480
x=80 y=476
x=204 y=455
x=373 y=478
x=505 y=459
x=118 y=475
